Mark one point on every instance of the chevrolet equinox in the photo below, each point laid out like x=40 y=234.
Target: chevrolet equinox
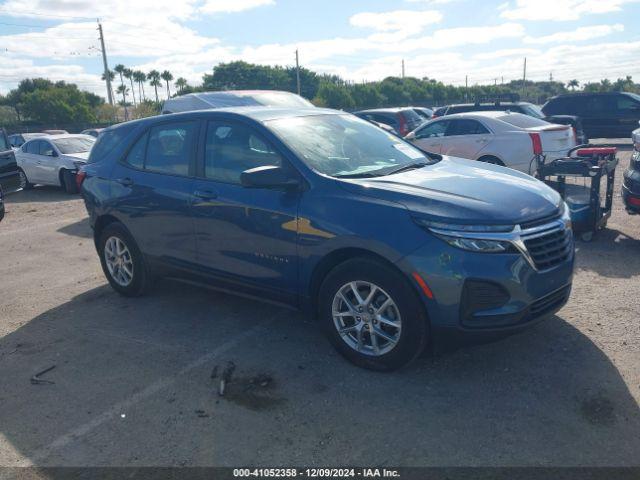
x=387 y=245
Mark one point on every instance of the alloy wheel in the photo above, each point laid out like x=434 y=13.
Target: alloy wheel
x=367 y=318
x=119 y=262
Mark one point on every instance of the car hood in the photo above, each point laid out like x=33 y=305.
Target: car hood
x=77 y=156
x=462 y=191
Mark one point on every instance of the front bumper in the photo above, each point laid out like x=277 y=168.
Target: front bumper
x=516 y=295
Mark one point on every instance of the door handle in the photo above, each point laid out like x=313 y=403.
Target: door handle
x=205 y=194
x=125 y=182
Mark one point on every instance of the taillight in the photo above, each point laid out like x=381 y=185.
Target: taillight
x=575 y=134
x=434 y=116
x=635 y=201
x=80 y=176
x=536 y=143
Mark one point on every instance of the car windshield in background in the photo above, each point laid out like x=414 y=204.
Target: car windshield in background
x=522 y=121
x=533 y=111
x=74 y=145
x=346 y=146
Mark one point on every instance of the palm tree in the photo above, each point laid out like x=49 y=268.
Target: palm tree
x=120 y=70
x=180 y=84
x=128 y=74
x=167 y=77
x=154 y=80
x=124 y=91
x=573 y=84
x=140 y=78
x=112 y=76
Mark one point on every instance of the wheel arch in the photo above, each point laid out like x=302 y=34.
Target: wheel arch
x=101 y=223
x=339 y=256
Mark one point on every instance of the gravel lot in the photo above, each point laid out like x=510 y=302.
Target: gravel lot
x=133 y=379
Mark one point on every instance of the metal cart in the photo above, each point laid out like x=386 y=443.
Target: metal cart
x=592 y=163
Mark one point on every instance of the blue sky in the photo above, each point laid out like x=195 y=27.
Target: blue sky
x=359 y=40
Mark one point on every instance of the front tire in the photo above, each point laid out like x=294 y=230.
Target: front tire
x=372 y=315
x=122 y=261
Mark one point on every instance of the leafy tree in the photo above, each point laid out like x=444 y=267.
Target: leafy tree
x=331 y=95
x=167 y=77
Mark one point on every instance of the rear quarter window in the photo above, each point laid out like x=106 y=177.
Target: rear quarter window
x=108 y=141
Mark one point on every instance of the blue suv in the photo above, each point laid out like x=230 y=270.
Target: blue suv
x=320 y=210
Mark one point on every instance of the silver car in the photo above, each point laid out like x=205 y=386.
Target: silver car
x=53 y=160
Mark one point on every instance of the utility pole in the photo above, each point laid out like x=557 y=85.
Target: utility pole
x=106 y=65
x=403 y=68
x=297 y=71
x=551 y=76
x=524 y=78
x=466 y=87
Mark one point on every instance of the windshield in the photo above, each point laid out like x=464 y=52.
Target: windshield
x=74 y=144
x=533 y=111
x=345 y=145
x=280 y=99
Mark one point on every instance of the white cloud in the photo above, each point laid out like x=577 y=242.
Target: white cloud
x=409 y=22
x=505 y=53
x=579 y=34
x=233 y=6
x=560 y=10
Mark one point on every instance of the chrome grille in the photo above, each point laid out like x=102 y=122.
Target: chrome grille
x=548 y=248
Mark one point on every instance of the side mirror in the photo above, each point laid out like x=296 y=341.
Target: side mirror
x=269 y=176
x=410 y=136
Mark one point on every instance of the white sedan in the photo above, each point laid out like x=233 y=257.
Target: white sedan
x=503 y=138
x=53 y=160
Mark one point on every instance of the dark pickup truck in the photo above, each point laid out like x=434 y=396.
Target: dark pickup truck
x=9 y=176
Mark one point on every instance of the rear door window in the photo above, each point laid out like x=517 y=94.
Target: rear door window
x=465 y=127
x=170 y=148
x=32 y=147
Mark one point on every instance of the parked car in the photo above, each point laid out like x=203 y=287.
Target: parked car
x=424 y=112
x=94 y=132
x=55 y=132
x=604 y=115
x=631 y=182
x=321 y=210
x=402 y=120
x=234 y=98
x=501 y=138
x=525 y=108
x=17 y=139
x=9 y=177
x=53 y=160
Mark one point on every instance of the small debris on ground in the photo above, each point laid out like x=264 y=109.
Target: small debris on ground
x=36 y=380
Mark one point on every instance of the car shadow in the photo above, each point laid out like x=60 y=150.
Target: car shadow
x=612 y=253
x=40 y=193
x=81 y=228
x=136 y=383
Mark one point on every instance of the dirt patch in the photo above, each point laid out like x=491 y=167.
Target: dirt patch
x=255 y=392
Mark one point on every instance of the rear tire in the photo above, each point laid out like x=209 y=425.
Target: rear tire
x=24 y=181
x=68 y=180
x=404 y=319
x=122 y=261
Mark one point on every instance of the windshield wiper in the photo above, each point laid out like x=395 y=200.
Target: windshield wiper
x=359 y=175
x=409 y=166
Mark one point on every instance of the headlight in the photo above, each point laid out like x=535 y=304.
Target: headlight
x=473 y=245
x=566 y=215
x=471 y=237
